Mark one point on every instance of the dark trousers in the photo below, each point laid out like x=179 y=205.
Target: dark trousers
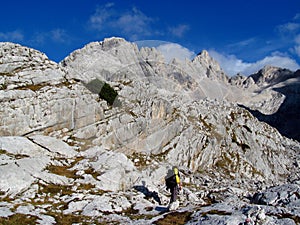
x=174 y=193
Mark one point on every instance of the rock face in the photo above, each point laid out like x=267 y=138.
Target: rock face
x=35 y=94
x=67 y=155
x=278 y=99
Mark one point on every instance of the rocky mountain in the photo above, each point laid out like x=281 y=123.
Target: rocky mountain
x=279 y=99
x=90 y=140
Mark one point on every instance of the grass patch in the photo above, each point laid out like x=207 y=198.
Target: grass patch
x=86 y=186
x=92 y=172
x=33 y=87
x=90 y=188
x=139 y=159
x=68 y=219
x=15 y=156
x=54 y=189
x=133 y=214
x=62 y=171
x=3 y=151
x=174 y=218
x=18 y=219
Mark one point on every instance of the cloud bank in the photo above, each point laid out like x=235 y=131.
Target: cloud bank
x=173 y=50
x=179 y=31
x=15 y=35
x=132 y=23
x=232 y=65
x=229 y=63
x=286 y=36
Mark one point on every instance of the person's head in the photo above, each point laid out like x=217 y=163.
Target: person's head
x=170 y=173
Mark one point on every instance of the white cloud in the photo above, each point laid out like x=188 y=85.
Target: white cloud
x=56 y=35
x=296 y=50
x=297 y=16
x=243 y=43
x=99 y=19
x=290 y=32
x=297 y=39
x=276 y=60
x=232 y=65
x=59 y=35
x=133 y=23
x=15 y=35
x=289 y=27
x=229 y=63
x=179 y=30
x=172 y=50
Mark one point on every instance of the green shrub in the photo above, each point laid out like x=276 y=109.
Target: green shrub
x=108 y=93
x=104 y=90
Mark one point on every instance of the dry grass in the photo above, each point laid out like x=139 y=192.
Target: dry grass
x=62 y=171
x=86 y=186
x=69 y=219
x=33 y=87
x=54 y=189
x=15 y=156
x=92 y=172
x=174 y=218
x=18 y=219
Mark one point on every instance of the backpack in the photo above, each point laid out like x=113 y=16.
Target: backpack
x=176 y=176
x=172 y=179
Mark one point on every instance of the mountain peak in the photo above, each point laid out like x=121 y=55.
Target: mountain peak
x=108 y=43
x=203 y=53
x=271 y=75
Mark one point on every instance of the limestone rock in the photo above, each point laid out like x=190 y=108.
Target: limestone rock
x=23 y=67
x=284 y=195
x=53 y=145
x=19 y=175
x=21 y=146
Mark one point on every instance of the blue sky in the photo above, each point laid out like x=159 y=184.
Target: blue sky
x=242 y=35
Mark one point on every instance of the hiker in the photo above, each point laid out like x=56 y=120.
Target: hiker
x=173 y=183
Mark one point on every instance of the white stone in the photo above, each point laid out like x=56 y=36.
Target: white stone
x=76 y=206
x=5 y=212
x=174 y=206
x=54 y=145
x=22 y=146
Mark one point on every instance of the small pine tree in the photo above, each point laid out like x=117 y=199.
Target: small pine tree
x=108 y=93
x=104 y=90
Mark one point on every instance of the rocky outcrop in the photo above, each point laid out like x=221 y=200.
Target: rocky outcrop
x=36 y=95
x=67 y=155
x=271 y=75
x=277 y=205
x=26 y=68
x=275 y=98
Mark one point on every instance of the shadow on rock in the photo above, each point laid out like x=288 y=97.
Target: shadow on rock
x=161 y=209
x=286 y=120
x=148 y=194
